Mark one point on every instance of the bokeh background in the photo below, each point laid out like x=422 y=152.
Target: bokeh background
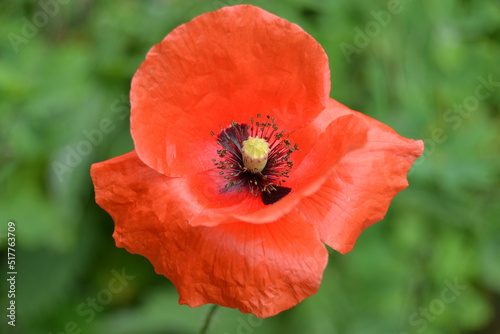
x=429 y=69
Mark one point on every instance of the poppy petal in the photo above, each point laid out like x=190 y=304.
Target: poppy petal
x=261 y=269
x=342 y=135
x=223 y=66
x=359 y=190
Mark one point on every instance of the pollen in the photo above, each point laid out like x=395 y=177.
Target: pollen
x=255 y=152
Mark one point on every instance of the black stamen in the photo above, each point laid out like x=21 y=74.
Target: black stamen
x=268 y=181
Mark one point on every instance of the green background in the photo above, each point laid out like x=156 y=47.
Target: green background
x=409 y=72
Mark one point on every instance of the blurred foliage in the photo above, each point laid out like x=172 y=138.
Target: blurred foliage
x=74 y=71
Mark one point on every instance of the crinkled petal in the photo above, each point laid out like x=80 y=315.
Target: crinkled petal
x=360 y=188
x=344 y=134
x=223 y=66
x=261 y=269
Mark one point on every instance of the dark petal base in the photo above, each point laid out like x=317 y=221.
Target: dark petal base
x=275 y=195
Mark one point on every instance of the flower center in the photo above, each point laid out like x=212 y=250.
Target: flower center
x=255 y=152
x=255 y=158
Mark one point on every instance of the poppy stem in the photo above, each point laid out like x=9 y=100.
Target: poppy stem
x=208 y=319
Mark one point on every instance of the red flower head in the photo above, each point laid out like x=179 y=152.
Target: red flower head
x=243 y=166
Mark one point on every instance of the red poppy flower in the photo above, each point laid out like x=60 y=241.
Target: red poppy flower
x=243 y=166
